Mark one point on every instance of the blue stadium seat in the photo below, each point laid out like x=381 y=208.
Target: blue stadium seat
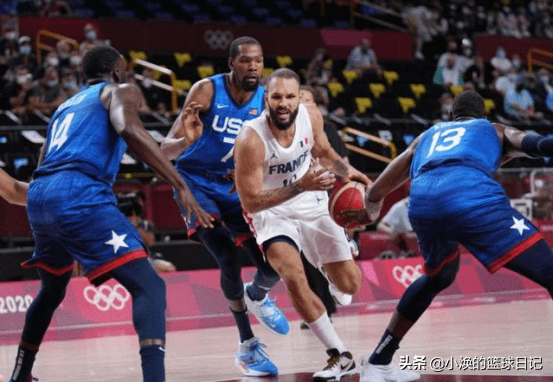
x=311 y=23
x=85 y=12
x=190 y=8
x=238 y=19
x=163 y=16
x=124 y=14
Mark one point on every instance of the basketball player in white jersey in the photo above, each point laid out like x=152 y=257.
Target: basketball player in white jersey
x=283 y=191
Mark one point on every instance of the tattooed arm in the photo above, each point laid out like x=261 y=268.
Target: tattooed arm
x=249 y=156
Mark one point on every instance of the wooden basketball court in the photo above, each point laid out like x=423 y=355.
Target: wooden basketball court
x=518 y=329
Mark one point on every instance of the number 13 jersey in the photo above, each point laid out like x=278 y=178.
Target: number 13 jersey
x=453 y=168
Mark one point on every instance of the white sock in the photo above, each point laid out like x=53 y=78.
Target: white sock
x=325 y=332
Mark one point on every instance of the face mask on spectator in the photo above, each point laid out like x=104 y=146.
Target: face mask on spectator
x=23 y=79
x=147 y=83
x=446 y=107
x=70 y=85
x=53 y=61
x=52 y=83
x=63 y=55
x=544 y=79
x=500 y=54
x=516 y=64
x=512 y=77
x=12 y=35
x=91 y=35
x=25 y=49
x=75 y=60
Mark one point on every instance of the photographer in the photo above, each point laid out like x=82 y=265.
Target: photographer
x=131 y=207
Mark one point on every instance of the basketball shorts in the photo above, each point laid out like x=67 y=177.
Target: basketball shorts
x=494 y=233
x=212 y=194
x=306 y=221
x=75 y=218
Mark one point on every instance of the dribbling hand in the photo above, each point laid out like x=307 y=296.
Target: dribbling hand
x=317 y=179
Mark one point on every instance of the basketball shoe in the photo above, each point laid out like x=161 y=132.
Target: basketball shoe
x=338 y=366
x=267 y=313
x=385 y=373
x=253 y=361
x=341 y=298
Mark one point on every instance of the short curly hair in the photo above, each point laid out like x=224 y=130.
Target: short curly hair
x=99 y=61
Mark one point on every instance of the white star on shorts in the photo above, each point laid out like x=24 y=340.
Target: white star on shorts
x=519 y=224
x=117 y=242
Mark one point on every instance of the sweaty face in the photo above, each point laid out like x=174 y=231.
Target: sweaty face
x=282 y=100
x=248 y=66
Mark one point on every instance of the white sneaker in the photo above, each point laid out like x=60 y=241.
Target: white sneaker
x=267 y=313
x=338 y=366
x=341 y=298
x=385 y=373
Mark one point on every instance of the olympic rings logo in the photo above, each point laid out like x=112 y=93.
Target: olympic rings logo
x=106 y=297
x=408 y=274
x=217 y=39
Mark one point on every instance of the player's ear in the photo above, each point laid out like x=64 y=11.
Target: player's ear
x=266 y=100
x=230 y=63
x=450 y=115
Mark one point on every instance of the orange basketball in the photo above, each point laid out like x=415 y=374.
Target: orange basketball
x=346 y=196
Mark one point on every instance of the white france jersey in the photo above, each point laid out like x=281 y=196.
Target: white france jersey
x=285 y=165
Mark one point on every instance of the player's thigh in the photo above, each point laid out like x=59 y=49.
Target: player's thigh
x=436 y=243
x=97 y=236
x=323 y=241
x=496 y=234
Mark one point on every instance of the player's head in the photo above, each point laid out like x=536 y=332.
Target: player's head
x=307 y=95
x=468 y=104
x=282 y=97
x=246 y=61
x=103 y=63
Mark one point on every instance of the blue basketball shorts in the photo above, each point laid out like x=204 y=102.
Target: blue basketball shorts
x=75 y=218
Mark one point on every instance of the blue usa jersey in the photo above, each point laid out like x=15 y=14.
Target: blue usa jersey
x=453 y=167
x=81 y=138
x=213 y=152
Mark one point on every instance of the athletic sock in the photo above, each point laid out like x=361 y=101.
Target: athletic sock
x=23 y=365
x=325 y=332
x=383 y=353
x=255 y=292
x=152 y=357
x=243 y=324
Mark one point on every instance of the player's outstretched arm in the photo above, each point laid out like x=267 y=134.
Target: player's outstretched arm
x=188 y=127
x=517 y=143
x=249 y=156
x=124 y=117
x=327 y=155
x=13 y=190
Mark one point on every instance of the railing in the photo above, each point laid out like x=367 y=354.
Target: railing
x=354 y=13
x=532 y=59
x=349 y=130
x=41 y=45
x=170 y=88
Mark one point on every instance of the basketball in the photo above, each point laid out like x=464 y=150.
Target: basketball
x=346 y=196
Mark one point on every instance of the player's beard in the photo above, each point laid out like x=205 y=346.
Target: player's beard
x=249 y=86
x=282 y=125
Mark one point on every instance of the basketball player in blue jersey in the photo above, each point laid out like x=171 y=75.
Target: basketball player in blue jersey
x=202 y=140
x=74 y=214
x=454 y=199
x=12 y=190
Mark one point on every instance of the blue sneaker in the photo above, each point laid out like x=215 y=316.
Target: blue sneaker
x=253 y=361
x=267 y=313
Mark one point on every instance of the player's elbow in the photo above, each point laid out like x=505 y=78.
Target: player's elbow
x=250 y=207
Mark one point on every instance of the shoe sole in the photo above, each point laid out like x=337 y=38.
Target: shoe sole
x=253 y=373
x=353 y=370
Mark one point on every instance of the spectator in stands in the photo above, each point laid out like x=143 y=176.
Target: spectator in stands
x=449 y=75
x=55 y=8
x=363 y=59
x=75 y=60
x=419 y=20
x=476 y=72
x=465 y=60
x=70 y=87
x=518 y=103
x=441 y=114
x=63 y=49
x=537 y=88
x=8 y=44
x=320 y=68
x=500 y=62
x=516 y=61
x=47 y=94
x=18 y=91
x=505 y=82
x=91 y=39
x=26 y=57
x=549 y=101
x=451 y=50
x=154 y=95
x=397 y=225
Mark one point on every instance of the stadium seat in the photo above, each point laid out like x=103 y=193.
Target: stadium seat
x=267 y=71
x=489 y=105
x=335 y=88
x=184 y=85
x=363 y=103
x=139 y=55
x=377 y=89
x=182 y=58
x=418 y=90
x=284 y=61
x=205 y=71
x=391 y=76
x=456 y=89
x=406 y=104
x=350 y=76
